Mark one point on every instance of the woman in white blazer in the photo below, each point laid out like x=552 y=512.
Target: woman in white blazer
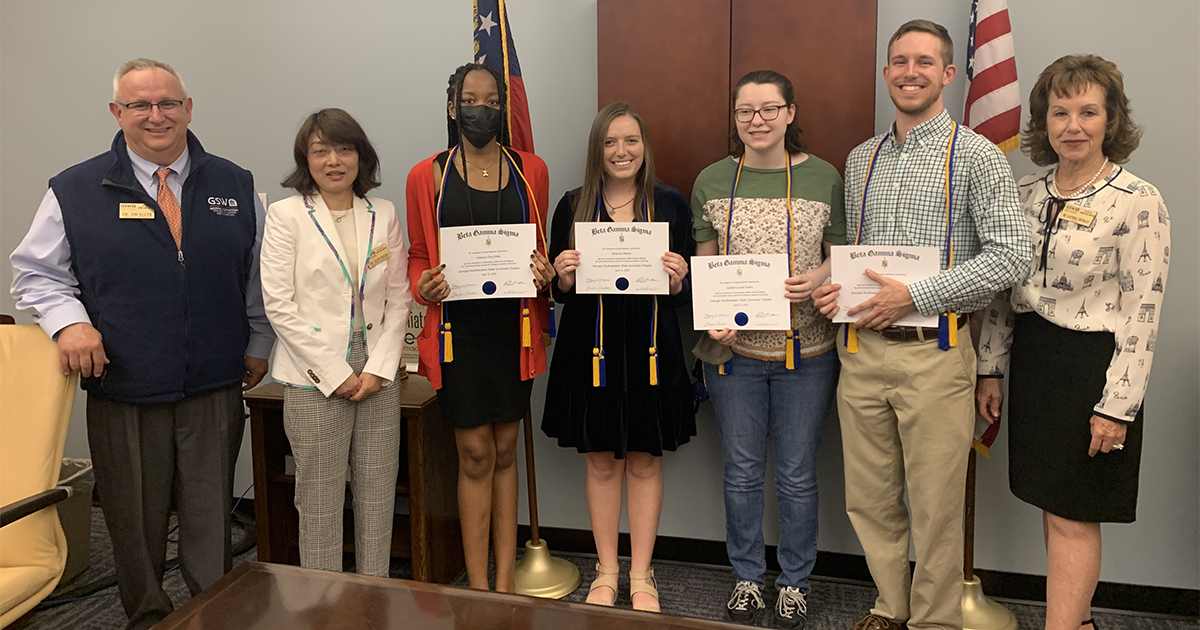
x=335 y=284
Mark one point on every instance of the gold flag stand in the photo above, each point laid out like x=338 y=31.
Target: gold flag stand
x=538 y=573
x=979 y=611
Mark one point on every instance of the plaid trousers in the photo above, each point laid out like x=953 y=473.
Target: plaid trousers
x=325 y=434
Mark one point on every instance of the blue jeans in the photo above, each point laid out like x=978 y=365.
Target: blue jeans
x=757 y=399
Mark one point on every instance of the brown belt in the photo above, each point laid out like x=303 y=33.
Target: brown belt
x=914 y=333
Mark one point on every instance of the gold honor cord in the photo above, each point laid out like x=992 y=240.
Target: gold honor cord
x=526 y=330
x=599 y=369
x=444 y=326
x=447 y=337
x=947 y=322
x=791 y=349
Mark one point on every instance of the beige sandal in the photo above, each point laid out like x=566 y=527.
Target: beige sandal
x=605 y=578
x=647 y=588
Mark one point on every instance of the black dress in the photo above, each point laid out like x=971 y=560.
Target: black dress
x=628 y=414
x=483 y=383
x=1055 y=378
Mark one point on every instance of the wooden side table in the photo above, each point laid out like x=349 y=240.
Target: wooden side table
x=429 y=535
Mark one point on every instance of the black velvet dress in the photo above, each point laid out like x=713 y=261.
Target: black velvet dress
x=483 y=383
x=628 y=414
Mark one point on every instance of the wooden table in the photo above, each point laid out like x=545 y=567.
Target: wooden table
x=271 y=596
x=428 y=478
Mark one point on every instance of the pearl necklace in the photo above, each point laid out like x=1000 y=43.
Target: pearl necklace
x=1074 y=191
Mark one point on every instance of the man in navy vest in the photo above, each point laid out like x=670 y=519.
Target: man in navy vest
x=142 y=263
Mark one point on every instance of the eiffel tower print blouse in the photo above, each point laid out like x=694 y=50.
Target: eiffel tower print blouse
x=1106 y=274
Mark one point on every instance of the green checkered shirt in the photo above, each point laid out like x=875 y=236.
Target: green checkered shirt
x=906 y=206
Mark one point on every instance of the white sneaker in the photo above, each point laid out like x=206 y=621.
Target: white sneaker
x=791 y=609
x=745 y=604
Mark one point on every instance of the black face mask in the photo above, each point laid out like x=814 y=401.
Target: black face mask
x=479 y=124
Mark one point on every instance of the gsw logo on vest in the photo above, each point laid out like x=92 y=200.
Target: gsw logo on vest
x=226 y=207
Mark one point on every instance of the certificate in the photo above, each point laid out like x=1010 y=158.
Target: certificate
x=905 y=264
x=622 y=258
x=489 y=261
x=742 y=292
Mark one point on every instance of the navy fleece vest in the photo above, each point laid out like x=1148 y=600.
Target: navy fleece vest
x=173 y=319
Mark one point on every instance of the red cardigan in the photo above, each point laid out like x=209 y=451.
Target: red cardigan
x=423 y=254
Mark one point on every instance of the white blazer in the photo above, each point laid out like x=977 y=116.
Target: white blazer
x=308 y=296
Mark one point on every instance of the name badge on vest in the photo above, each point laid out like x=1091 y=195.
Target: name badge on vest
x=136 y=211
x=1078 y=215
x=378 y=255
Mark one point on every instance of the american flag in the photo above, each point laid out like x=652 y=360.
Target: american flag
x=993 y=107
x=494 y=47
x=993 y=111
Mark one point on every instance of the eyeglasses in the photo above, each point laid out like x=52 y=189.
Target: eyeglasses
x=343 y=151
x=168 y=106
x=768 y=113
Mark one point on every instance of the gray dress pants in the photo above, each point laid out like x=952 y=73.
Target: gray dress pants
x=150 y=457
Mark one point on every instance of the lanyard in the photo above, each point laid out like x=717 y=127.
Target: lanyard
x=947 y=322
x=363 y=276
x=599 y=369
x=792 y=344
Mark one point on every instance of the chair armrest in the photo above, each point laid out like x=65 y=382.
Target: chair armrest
x=20 y=509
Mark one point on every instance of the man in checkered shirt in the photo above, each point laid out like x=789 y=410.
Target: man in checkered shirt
x=906 y=407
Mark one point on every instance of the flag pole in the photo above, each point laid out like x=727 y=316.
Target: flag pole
x=980 y=612
x=537 y=572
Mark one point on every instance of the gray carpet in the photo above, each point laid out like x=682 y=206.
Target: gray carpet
x=686 y=589
x=694 y=590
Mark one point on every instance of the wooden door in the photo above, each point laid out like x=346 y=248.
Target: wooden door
x=676 y=60
x=670 y=60
x=827 y=50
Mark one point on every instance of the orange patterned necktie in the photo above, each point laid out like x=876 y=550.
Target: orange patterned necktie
x=170 y=207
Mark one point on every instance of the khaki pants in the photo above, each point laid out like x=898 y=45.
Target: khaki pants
x=907 y=414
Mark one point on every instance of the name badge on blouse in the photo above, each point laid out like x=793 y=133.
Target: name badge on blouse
x=378 y=255
x=1078 y=215
x=136 y=211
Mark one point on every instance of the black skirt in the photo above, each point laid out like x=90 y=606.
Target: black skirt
x=483 y=385
x=1056 y=377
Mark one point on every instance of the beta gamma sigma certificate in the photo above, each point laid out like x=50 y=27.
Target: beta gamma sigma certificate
x=743 y=292
x=622 y=258
x=905 y=264
x=489 y=261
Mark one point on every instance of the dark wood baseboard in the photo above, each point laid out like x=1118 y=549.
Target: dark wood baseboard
x=1002 y=584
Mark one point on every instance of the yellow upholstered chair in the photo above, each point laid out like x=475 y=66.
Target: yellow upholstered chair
x=35 y=408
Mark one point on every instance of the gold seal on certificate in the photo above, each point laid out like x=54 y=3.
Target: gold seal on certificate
x=622 y=258
x=743 y=292
x=489 y=261
x=904 y=264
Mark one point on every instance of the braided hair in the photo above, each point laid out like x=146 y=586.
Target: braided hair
x=454 y=89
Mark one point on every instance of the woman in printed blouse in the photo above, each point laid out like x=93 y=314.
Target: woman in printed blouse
x=1076 y=339
x=480 y=355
